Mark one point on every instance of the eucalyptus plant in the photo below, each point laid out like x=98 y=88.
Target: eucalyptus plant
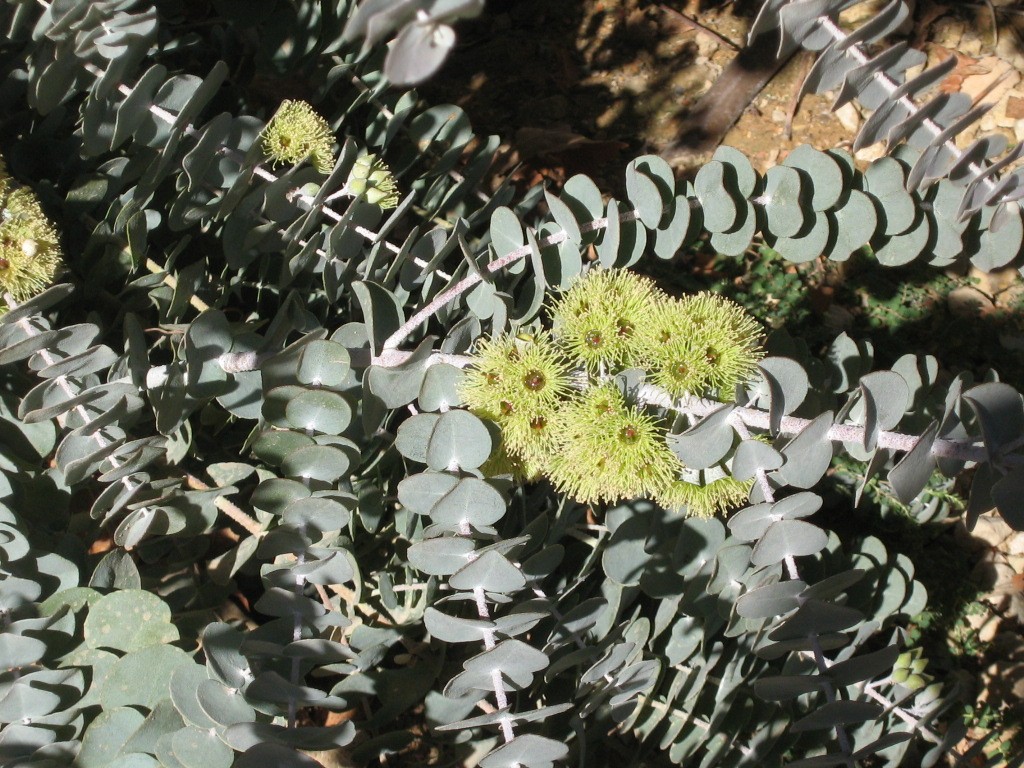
x=314 y=451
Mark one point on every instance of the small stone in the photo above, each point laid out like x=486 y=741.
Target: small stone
x=968 y=302
x=992 y=530
x=995 y=78
x=872 y=153
x=1015 y=106
x=849 y=117
x=969 y=46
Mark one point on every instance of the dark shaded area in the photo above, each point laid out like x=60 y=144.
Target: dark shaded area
x=540 y=75
x=707 y=122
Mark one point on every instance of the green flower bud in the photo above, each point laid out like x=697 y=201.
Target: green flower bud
x=900 y=675
x=915 y=682
x=929 y=694
x=361 y=167
x=29 y=251
x=296 y=133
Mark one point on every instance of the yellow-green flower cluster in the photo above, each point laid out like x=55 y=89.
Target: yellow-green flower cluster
x=371 y=179
x=29 y=249
x=520 y=383
x=561 y=417
x=606 y=450
x=702 y=344
x=598 y=319
x=296 y=133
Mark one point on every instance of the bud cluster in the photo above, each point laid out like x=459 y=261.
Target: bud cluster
x=371 y=179
x=29 y=249
x=909 y=671
x=562 y=417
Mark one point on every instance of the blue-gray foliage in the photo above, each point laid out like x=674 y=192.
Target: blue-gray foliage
x=244 y=521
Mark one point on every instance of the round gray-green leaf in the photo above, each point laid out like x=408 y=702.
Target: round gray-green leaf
x=564 y=218
x=808 y=454
x=274 y=445
x=224 y=659
x=471 y=501
x=459 y=440
x=718 y=206
x=1008 y=494
x=669 y=239
x=506 y=231
x=322 y=363
x=491 y=572
x=626 y=558
x=142 y=678
x=418 y=51
x=852 y=225
x=783 y=687
x=421 y=491
x=452 y=629
x=527 y=750
x=442 y=556
x=770 y=600
x=274 y=494
x=440 y=388
x=106 y=736
x=128 y=620
x=738 y=165
x=886 y=396
x=200 y=748
x=317 y=462
x=806 y=248
x=223 y=705
x=584 y=199
x=787 y=386
x=999 y=412
x=788 y=538
x=644 y=189
x=736 y=241
x=823 y=172
x=319 y=411
x=782 y=206
x=707 y=442
x=752 y=455
x=325 y=513
x=183 y=687
x=414 y=435
x=904 y=248
x=836 y=713
x=20 y=650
